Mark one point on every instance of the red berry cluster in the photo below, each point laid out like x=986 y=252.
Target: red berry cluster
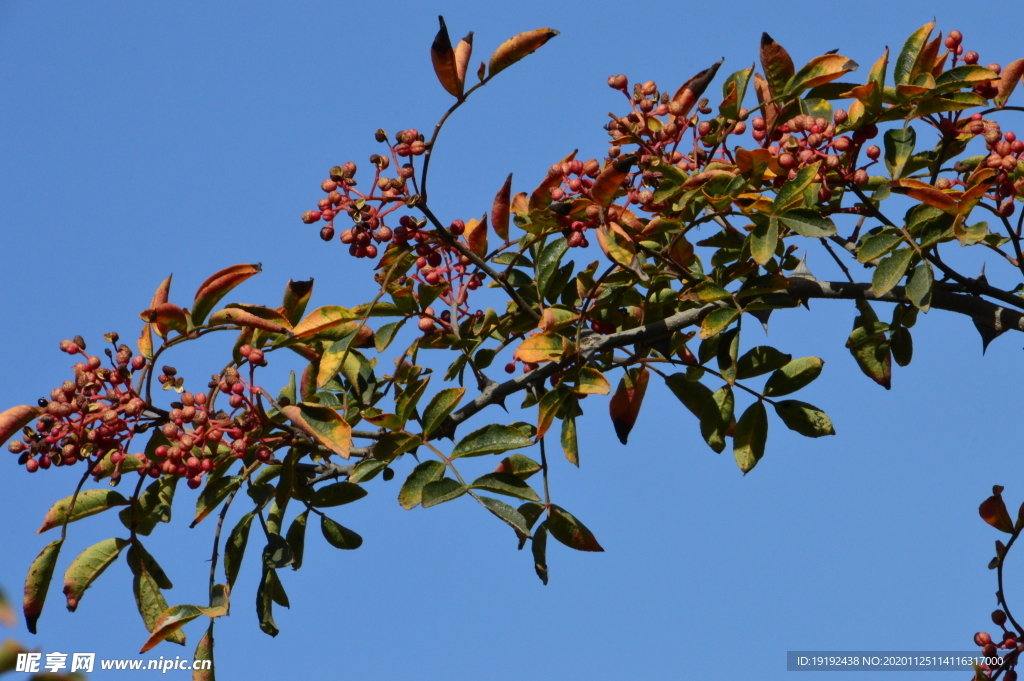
x=368 y=210
x=194 y=430
x=989 y=648
x=986 y=89
x=804 y=140
x=85 y=419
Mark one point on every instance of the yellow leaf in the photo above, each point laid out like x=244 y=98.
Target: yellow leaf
x=543 y=347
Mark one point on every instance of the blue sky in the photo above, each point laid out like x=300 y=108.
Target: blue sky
x=140 y=139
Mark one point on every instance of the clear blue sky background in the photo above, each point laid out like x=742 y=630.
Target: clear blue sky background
x=139 y=139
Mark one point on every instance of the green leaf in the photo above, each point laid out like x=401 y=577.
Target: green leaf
x=547 y=407
x=531 y=512
x=339 y=537
x=877 y=245
x=693 y=394
x=138 y=556
x=367 y=469
x=908 y=55
x=277 y=553
x=148 y=597
x=569 y=440
x=265 y=602
x=873 y=357
x=548 y=262
x=716 y=417
x=392 y=445
x=338 y=493
x=385 y=334
x=153 y=505
x=890 y=270
x=795 y=375
x=540 y=544
x=963 y=76
x=717 y=321
x=808 y=222
x=296 y=538
x=764 y=238
x=804 y=418
x=507 y=514
x=442 y=404
x=37 y=583
x=89 y=502
x=901 y=344
x=492 y=439
x=234 y=547
x=750 y=436
x=411 y=493
x=791 y=194
x=919 y=286
x=899 y=147
x=567 y=529
x=440 y=491
x=518 y=465
x=760 y=360
x=505 y=483
x=214 y=493
x=89 y=565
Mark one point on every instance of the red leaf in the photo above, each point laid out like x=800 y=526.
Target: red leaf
x=627 y=400
x=217 y=286
x=993 y=511
x=443 y=57
x=163 y=291
x=500 y=209
x=166 y=315
x=16 y=418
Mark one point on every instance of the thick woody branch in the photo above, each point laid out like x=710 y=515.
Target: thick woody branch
x=944 y=297
x=948 y=297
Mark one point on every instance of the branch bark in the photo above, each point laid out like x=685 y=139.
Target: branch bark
x=949 y=297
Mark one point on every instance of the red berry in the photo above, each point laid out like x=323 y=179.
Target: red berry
x=873 y=152
x=971 y=57
x=311 y=216
x=426 y=325
x=371 y=251
x=458 y=227
x=194 y=483
x=32 y=465
x=999 y=617
x=327 y=232
x=982 y=639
